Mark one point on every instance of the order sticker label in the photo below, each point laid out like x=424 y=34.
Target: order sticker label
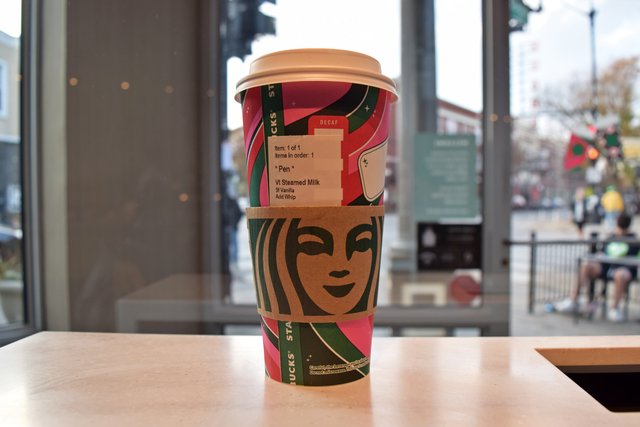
x=305 y=170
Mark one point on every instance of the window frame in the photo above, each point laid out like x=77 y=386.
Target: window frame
x=29 y=115
x=492 y=318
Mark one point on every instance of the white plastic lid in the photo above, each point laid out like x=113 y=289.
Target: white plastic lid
x=304 y=65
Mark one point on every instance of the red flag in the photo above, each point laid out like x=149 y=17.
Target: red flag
x=576 y=155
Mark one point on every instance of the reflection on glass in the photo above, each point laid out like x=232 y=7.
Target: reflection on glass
x=369 y=27
x=136 y=175
x=11 y=277
x=575 y=137
x=458 y=73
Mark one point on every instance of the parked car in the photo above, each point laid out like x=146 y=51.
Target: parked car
x=8 y=233
x=518 y=201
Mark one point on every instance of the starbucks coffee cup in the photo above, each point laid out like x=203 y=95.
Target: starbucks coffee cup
x=316 y=126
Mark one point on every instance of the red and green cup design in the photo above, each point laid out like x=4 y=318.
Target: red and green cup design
x=317 y=354
x=315 y=143
x=316 y=272
x=316 y=125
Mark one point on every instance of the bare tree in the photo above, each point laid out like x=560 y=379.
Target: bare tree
x=616 y=94
x=572 y=104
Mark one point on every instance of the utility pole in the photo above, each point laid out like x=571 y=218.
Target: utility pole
x=594 y=76
x=418 y=102
x=591 y=14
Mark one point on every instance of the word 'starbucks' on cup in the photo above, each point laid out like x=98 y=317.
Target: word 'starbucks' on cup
x=316 y=125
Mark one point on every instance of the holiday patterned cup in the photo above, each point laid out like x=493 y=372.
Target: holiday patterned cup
x=316 y=273
x=316 y=125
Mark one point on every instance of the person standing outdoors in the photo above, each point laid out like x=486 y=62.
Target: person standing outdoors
x=613 y=205
x=579 y=210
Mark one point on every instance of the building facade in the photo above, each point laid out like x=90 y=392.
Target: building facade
x=10 y=190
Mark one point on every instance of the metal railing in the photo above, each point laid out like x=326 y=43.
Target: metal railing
x=553 y=267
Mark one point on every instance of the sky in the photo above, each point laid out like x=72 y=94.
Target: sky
x=10 y=21
x=372 y=27
x=554 y=48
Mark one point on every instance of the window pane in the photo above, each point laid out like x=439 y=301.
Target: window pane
x=152 y=170
x=11 y=265
x=448 y=168
x=458 y=67
x=148 y=232
x=369 y=27
x=576 y=133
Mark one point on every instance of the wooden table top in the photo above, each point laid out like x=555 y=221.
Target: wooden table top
x=92 y=379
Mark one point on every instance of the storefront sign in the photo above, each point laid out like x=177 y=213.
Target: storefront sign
x=445 y=180
x=449 y=246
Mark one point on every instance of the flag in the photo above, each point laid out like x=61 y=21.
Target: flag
x=612 y=139
x=576 y=155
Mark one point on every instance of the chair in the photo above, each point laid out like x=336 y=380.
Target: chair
x=603 y=296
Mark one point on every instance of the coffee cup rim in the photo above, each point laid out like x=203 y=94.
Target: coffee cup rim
x=316 y=65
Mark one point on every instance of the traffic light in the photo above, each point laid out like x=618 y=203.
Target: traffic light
x=593 y=154
x=245 y=22
x=519 y=14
